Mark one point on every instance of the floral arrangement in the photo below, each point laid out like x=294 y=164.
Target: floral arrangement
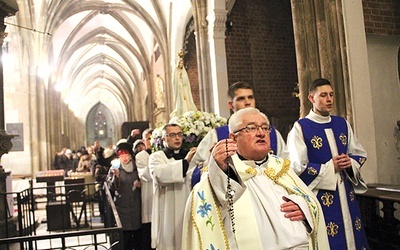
x=195 y=125
x=155 y=139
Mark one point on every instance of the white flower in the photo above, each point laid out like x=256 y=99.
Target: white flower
x=195 y=125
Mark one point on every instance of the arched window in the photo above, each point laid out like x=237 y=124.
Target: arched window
x=100 y=125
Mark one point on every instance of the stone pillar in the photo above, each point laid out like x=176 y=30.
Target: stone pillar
x=321 y=50
x=200 y=27
x=306 y=49
x=218 y=66
x=6 y=8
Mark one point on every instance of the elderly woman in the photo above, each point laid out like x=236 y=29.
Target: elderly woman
x=123 y=180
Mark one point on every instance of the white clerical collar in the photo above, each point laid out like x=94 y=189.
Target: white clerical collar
x=176 y=151
x=318 y=118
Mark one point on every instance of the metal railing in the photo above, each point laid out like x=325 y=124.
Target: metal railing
x=77 y=226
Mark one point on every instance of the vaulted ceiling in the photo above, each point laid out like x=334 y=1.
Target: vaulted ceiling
x=103 y=50
x=95 y=51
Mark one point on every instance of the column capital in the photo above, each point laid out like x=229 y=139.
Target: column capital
x=217 y=21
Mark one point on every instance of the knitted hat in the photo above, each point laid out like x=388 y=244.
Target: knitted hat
x=124 y=146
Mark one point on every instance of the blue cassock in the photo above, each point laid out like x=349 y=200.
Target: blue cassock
x=223 y=133
x=319 y=153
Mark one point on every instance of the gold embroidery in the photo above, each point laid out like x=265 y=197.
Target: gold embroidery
x=204 y=169
x=316 y=142
x=343 y=139
x=332 y=229
x=362 y=160
x=192 y=212
x=270 y=172
x=251 y=171
x=312 y=171
x=327 y=199
x=357 y=224
x=351 y=195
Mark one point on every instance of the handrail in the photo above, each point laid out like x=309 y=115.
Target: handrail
x=113 y=208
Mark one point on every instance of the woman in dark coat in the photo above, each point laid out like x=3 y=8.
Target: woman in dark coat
x=123 y=179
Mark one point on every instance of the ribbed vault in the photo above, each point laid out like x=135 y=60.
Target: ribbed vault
x=103 y=51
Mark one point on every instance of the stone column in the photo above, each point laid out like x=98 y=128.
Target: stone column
x=200 y=27
x=218 y=66
x=306 y=49
x=5 y=140
x=321 y=50
x=6 y=8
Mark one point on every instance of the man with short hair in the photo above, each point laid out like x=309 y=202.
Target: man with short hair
x=327 y=156
x=250 y=198
x=146 y=137
x=171 y=175
x=241 y=96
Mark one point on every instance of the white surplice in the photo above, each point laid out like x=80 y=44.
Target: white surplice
x=171 y=190
x=142 y=163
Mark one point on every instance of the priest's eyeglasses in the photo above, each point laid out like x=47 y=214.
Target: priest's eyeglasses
x=173 y=135
x=253 y=128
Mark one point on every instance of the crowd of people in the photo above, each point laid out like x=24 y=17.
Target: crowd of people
x=83 y=160
x=243 y=187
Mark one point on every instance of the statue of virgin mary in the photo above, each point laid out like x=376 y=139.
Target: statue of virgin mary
x=183 y=98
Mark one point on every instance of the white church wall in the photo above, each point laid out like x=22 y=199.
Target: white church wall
x=16 y=102
x=385 y=86
x=360 y=87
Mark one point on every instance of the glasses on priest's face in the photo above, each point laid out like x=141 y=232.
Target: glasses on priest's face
x=253 y=128
x=173 y=135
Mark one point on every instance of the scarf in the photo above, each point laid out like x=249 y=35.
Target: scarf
x=128 y=167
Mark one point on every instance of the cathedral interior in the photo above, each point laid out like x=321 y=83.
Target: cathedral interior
x=75 y=72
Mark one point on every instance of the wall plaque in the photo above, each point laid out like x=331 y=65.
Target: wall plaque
x=17 y=130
